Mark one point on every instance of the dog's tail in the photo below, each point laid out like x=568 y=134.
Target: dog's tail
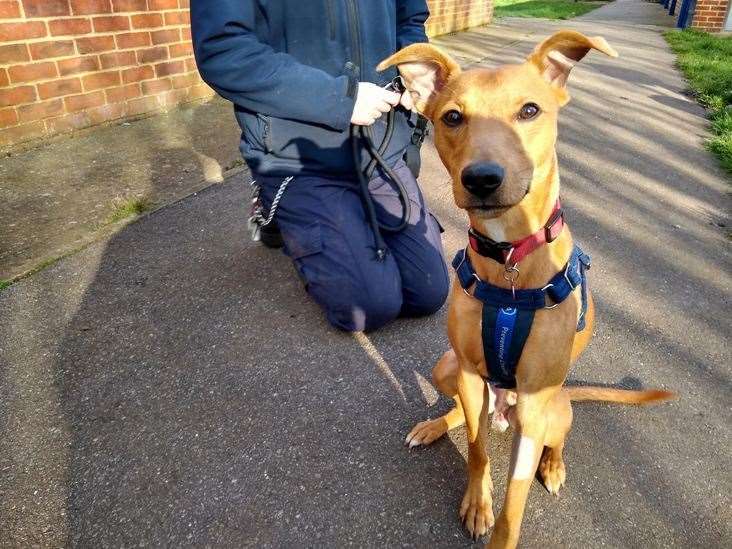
x=621 y=396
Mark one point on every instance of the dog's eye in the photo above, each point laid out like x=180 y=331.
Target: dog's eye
x=452 y=118
x=529 y=111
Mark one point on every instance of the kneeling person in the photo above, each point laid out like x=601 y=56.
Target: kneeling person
x=299 y=75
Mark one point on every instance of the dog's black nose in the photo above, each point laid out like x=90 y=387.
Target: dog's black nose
x=482 y=178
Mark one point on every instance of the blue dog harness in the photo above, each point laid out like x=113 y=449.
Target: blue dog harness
x=509 y=314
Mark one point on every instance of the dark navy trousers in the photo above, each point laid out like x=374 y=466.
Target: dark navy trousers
x=327 y=235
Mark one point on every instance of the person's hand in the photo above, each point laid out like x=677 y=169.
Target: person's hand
x=406 y=101
x=371 y=102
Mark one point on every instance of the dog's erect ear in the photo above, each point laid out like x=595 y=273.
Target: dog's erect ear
x=556 y=55
x=425 y=70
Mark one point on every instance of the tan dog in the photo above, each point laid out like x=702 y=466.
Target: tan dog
x=495 y=131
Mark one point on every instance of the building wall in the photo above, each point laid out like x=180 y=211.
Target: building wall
x=71 y=64
x=710 y=15
x=453 y=15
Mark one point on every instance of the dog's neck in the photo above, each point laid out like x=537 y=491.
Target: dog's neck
x=518 y=222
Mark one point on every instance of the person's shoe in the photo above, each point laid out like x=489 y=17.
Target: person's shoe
x=271 y=236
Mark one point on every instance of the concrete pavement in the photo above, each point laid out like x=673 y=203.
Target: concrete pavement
x=172 y=385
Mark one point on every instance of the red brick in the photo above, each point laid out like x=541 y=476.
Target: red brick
x=4 y=80
x=9 y=10
x=181 y=50
x=13 y=53
x=76 y=103
x=68 y=27
x=107 y=113
x=177 y=17
x=25 y=132
x=129 y=5
x=87 y=7
x=78 y=64
x=138 y=73
x=39 y=111
x=199 y=92
x=34 y=71
x=95 y=43
x=151 y=55
x=142 y=105
x=174 y=97
x=132 y=40
x=165 y=36
x=162 y=4
x=44 y=8
x=185 y=34
x=117 y=59
x=111 y=23
x=17 y=96
x=191 y=65
x=150 y=87
x=122 y=93
x=57 y=88
x=185 y=80
x=68 y=123
x=168 y=68
x=8 y=117
x=184 y=4
x=13 y=32
x=146 y=21
x=101 y=80
x=57 y=48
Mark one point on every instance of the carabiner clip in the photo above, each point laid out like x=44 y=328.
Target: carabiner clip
x=396 y=85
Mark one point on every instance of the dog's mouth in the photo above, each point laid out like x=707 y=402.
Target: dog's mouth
x=487 y=210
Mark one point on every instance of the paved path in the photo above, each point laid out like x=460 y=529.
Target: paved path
x=172 y=385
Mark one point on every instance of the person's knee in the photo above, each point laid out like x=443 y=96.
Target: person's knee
x=428 y=298
x=364 y=314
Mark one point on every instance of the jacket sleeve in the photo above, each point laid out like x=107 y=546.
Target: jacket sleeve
x=411 y=17
x=252 y=75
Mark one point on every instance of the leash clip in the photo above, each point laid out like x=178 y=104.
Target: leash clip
x=511 y=275
x=396 y=85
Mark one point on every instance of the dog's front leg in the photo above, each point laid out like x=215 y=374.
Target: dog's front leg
x=529 y=418
x=476 y=509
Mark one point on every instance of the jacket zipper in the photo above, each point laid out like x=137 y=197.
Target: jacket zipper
x=331 y=18
x=355 y=33
x=266 y=133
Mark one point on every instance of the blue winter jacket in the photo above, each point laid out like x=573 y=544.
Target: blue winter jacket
x=292 y=67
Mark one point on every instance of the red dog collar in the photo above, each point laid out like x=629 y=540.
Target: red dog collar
x=516 y=251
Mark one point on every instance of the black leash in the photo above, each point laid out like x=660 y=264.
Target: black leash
x=362 y=136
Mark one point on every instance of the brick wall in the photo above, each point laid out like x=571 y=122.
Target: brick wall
x=710 y=15
x=453 y=15
x=70 y=64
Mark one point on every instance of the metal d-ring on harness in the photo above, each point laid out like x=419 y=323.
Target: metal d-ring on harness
x=362 y=135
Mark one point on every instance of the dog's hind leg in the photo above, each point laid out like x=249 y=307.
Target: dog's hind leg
x=559 y=422
x=444 y=377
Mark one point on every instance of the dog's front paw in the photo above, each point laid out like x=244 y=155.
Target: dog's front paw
x=426 y=432
x=476 y=510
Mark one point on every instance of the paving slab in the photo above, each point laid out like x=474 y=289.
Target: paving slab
x=58 y=197
x=172 y=385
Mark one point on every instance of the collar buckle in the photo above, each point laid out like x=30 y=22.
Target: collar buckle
x=553 y=229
